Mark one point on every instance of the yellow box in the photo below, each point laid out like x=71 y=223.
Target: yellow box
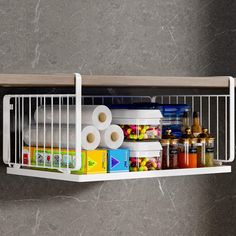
x=96 y=161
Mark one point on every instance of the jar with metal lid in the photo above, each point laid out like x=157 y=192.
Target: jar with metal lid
x=169 y=150
x=187 y=150
x=205 y=149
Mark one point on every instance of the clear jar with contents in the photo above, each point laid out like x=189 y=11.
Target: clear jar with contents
x=209 y=156
x=138 y=125
x=144 y=156
x=169 y=151
x=205 y=149
x=187 y=156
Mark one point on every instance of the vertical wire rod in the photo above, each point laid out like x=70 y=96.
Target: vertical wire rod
x=29 y=157
x=217 y=127
x=67 y=132
x=16 y=130
x=52 y=154
x=22 y=132
x=59 y=132
x=44 y=131
x=209 y=114
x=226 y=128
x=37 y=127
x=200 y=104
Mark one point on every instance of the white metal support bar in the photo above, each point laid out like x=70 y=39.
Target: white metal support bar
x=6 y=130
x=232 y=119
x=78 y=110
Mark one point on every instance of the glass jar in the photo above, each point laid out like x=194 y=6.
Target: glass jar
x=169 y=151
x=205 y=149
x=209 y=156
x=187 y=156
x=139 y=125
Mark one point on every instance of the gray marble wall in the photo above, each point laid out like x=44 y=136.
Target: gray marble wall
x=125 y=37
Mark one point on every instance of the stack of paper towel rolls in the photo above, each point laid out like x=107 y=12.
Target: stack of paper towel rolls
x=95 y=118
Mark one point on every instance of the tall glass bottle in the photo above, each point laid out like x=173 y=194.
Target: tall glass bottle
x=196 y=127
x=185 y=121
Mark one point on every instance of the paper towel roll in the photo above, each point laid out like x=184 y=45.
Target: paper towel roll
x=99 y=116
x=90 y=136
x=112 y=137
x=96 y=115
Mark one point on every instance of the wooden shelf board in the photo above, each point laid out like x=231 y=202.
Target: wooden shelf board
x=67 y=80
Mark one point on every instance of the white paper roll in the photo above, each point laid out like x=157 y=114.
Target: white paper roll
x=96 y=115
x=99 y=116
x=90 y=137
x=112 y=137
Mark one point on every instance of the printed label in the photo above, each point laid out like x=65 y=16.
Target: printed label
x=173 y=151
x=192 y=150
x=209 y=149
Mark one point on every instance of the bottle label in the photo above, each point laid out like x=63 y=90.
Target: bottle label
x=209 y=149
x=195 y=134
x=173 y=151
x=192 y=150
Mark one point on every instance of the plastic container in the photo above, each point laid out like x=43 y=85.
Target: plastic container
x=139 y=124
x=173 y=114
x=144 y=156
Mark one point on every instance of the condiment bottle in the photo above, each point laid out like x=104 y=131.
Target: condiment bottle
x=196 y=127
x=205 y=149
x=187 y=156
x=185 y=121
x=169 y=150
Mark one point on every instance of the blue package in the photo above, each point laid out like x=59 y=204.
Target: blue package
x=173 y=110
x=118 y=160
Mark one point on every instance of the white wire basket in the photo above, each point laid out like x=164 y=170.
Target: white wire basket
x=20 y=120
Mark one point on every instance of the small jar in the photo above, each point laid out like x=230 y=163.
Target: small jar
x=144 y=156
x=169 y=151
x=205 y=149
x=187 y=156
x=209 y=160
x=139 y=125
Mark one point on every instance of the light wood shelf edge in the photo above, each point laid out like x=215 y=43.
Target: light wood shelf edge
x=67 y=80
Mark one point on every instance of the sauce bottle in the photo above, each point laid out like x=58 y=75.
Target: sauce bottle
x=169 y=150
x=185 y=121
x=196 y=127
x=187 y=156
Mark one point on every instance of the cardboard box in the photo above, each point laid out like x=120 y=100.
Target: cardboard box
x=96 y=161
x=93 y=162
x=118 y=160
x=50 y=157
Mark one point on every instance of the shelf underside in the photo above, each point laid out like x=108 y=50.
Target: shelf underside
x=120 y=175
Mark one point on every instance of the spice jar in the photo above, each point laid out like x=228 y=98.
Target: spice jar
x=187 y=156
x=169 y=150
x=205 y=149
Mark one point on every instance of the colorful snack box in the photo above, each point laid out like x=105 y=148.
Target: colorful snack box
x=39 y=157
x=93 y=162
x=96 y=161
x=118 y=160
